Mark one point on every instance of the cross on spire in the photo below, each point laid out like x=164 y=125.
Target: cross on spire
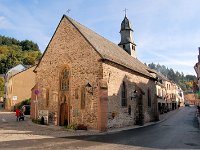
x=68 y=10
x=125 y=11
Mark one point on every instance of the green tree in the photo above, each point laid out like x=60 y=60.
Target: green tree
x=13 y=57
x=152 y=66
x=14 y=52
x=29 y=46
x=179 y=78
x=8 y=41
x=190 y=77
x=30 y=57
x=171 y=74
x=1 y=86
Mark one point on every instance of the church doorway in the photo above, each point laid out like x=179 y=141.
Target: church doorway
x=140 y=113
x=64 y=114
x=64 y=97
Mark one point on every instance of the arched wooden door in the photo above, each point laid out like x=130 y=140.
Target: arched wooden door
x=63 y=114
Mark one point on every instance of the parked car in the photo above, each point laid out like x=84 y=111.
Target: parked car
x=26 y=109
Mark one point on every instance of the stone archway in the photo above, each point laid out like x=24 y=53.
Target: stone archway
x=64 y=101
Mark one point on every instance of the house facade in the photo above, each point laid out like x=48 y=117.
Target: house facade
x=18 y=86
x=197 y=70
x=179 y=97
x=169 y=94
x=161 y=91
x=84 y=78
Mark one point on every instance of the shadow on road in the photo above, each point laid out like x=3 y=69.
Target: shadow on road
x=178 y=132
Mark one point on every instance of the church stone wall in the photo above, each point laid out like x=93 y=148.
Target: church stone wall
x=119 y=116
x=68 y=49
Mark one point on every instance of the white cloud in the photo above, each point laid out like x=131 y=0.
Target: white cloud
x=2 y=18
x=25 y=24
x=4 y=23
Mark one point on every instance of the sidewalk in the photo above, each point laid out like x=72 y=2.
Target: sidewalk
x=58 y=131
x=198 y=116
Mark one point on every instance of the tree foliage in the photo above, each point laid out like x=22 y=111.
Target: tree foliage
x=185 y=82
x=14 y=52
x=29 y=46
x=1 y=86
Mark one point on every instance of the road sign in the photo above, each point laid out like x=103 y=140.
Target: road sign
x=36 y=92
x=14 y=98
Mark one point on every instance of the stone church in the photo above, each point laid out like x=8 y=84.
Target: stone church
x=83 y=78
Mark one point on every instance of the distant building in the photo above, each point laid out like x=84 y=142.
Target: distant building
x=161 y=90
x=11 y=72
x=180 y=100
x=18 y=84
x=191 y=99
x=169 y=95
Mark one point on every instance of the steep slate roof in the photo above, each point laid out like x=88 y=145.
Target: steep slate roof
x=28 y=67
x=110 y=51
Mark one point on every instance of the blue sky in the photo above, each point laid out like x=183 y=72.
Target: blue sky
x=165 y=31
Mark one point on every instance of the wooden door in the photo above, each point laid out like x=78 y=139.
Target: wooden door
x=140 y=113
x=63 y=114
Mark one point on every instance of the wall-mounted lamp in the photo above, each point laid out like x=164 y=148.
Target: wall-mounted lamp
x=134 y=94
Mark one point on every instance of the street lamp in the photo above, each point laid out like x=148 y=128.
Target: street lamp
x=134 y=94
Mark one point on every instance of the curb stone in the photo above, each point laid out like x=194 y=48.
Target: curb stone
x=109 y=131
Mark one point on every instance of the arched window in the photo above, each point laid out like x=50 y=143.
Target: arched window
x=149 y=97
x=64 y=81
x=124 y=47
x=83 y=97
x=47 y=97
x=133 y=47
x=123 y=95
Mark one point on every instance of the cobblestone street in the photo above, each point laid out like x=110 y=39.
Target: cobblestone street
x=11 y=130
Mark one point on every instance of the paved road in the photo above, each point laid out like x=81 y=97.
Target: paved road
x=180 y=131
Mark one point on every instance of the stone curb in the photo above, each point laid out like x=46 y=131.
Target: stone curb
x=96 y=132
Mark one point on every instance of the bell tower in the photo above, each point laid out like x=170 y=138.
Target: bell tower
x=127 y=42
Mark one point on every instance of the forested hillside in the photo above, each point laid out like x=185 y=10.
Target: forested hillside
x=14 y=52
x=184 y=81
